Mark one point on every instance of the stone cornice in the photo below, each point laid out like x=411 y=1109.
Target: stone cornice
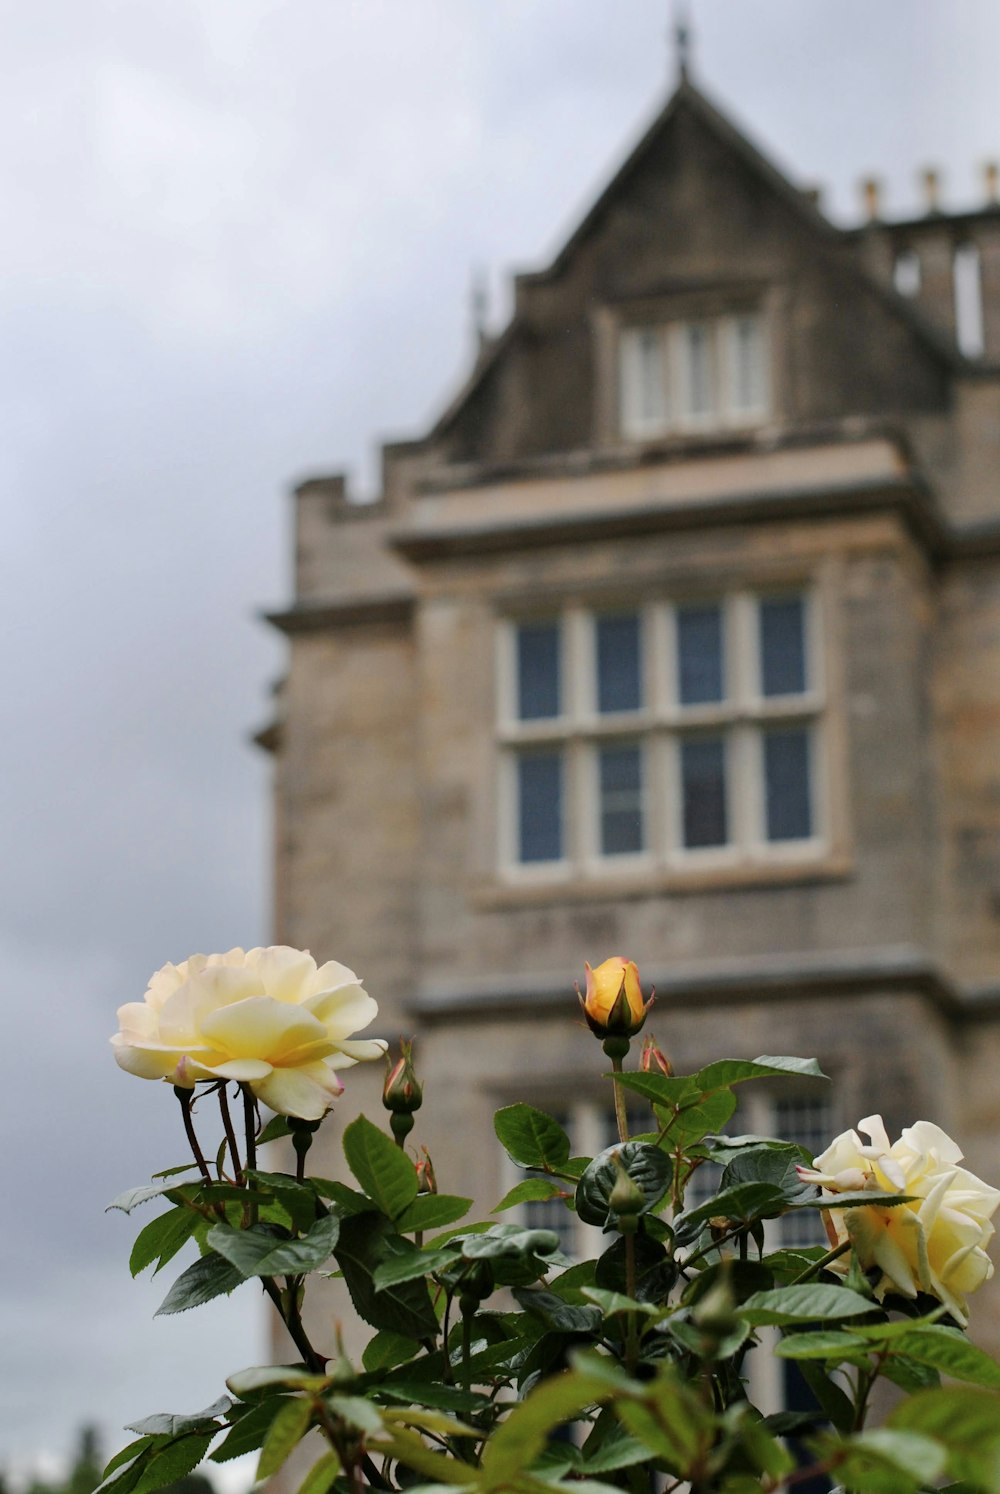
x=847 y=975
x=320 y=617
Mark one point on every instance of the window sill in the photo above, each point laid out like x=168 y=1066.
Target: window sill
x=511 y=892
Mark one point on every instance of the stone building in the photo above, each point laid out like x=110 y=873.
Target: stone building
x=678 y=637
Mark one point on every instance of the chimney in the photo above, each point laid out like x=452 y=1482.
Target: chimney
x=870 y=194
x=991 y=183
x=931 y=182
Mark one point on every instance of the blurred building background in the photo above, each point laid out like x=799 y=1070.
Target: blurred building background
x=676 y=637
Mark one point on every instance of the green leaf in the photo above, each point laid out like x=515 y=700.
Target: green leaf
x=432 y=1211
x=258 y=1252
x=167 y=1425
x=672 y=1423
x=410 y=1264
x=948 y=1350
x=612 y=1303
x=322 y=1475
x=411 y=1451
x=346 y=1201
x=285 y=1433
x=516 y=1443
x=386 y=1349
x=531 y=1190
x=966 y=1422
x=299 y=1199
x=829 y=1345
x=835 y=1405
x=646 y=1165
x=810 y=1302
x=616 y=1449
x=381 y=1167
x=507 y=1241
x=693 y=1122
x=208 y=1277
x=854 y=1201
x=888 y=1462
x=248 y=1433
x=276 y=1128
x=174 y=1461
x=162 y=1238
x=126 y=1454
x=564 y=1317
x=773 y=1164
x=430 y=1393
x=737 y=1070
x=366 y=1241
x=743 y=1203
x=133 y=1197
x=275 y=1376
x=530 y=1137
x=357 y=1412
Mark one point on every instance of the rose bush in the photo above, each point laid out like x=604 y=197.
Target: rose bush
x=268 y=1018
x=935 y=1244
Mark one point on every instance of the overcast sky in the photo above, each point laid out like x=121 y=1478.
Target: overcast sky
x=238 y=239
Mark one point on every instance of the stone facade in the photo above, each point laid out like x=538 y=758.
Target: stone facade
x=868 y=482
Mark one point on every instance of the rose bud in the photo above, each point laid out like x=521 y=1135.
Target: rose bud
x=626 y=1199
x=613 y=1004
x=426 y=1181
x=402 y=1093
x=652 y=1059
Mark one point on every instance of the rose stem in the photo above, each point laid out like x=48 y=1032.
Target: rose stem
x=250 y=1130
x=227 y=1122
x=184 y=1096
x=293 y=1323
x=824 y=1261
x=620 y=1114
x=631 y=1326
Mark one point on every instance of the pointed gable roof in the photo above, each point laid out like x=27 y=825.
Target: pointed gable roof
x=830 y=242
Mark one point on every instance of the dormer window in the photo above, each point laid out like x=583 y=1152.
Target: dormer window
x=706 y=374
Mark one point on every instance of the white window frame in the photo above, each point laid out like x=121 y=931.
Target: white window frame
x=641 y=418
x=658 y=727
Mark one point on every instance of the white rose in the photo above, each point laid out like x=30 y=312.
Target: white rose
x=937 y=1243
x=264 y=1017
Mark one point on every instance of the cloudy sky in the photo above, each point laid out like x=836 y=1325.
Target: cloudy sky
x=238 y=239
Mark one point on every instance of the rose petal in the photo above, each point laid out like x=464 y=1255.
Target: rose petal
x=262 y=1028
x=306 y=1093
x=285 y=973
x=344 y=1011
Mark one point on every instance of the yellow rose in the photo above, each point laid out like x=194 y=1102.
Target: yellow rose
x=264 y=1017
x=613 y=1004
x=937 y=1243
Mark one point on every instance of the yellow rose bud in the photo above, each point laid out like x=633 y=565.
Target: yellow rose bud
x=613 y=1004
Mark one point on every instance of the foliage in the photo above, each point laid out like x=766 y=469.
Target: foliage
x=495 y=1363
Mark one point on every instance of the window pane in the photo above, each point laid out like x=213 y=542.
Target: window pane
x=620 y=771
x=619 y=663
x=700 y=665
x=787 y=783
x=809 y=1122
x=540 y=792
x=643 y=386
x=747 y=380
x=703 y=786
x=782 y=645
x=537 y=670
x=699 y=370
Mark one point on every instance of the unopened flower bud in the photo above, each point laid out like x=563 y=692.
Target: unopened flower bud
x=715 y=1314
x=402 y=1093
x=626 y=1199
x=613 y=1004
x=426 y=1181
x=652 y=1059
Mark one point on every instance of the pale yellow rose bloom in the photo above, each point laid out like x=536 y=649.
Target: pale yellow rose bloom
x=936 y=1243
x=269 y=1018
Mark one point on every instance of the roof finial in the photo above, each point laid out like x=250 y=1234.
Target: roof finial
x=682 y=37
x=479 y=305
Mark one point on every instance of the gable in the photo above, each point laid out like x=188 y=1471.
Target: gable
x=695 y=221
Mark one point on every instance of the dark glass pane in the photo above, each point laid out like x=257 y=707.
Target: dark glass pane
x=782 y=646
x=537 y=670
x=703 y=780
x=619 y=663
x=700 y=670
x=787 y=784
x=621 y=800
x=539 y=786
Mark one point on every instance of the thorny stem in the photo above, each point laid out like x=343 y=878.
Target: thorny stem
x=466 y=1350
x=250 y=1131
x=184 y=1096
x=293 y=1323
x=227 y=1122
